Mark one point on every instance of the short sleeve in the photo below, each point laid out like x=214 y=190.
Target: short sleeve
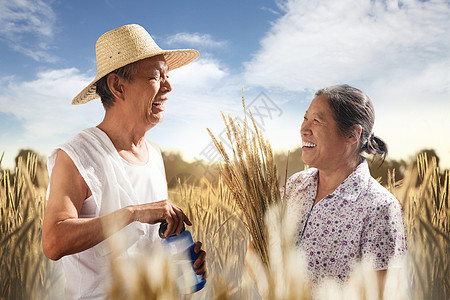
x=286 y=190
x=384 y=237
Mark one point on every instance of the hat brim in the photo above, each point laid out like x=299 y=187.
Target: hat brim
x=174 y=60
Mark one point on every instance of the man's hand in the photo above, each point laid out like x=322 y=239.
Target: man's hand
x=161 y=211
x=200 y=263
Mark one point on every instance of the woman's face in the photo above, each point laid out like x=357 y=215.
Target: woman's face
x=323 y=146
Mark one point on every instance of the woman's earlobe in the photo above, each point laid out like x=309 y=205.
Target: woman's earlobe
x=355 y=133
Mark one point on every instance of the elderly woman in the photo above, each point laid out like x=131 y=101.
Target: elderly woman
x=345 y=215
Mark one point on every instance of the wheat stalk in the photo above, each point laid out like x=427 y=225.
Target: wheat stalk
x=251 y=176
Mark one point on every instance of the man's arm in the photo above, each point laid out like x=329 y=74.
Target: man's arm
x=63 y=233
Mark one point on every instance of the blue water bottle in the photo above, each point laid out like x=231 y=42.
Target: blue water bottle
x=181 y=249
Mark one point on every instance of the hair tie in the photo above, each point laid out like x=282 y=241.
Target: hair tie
x=369 y=140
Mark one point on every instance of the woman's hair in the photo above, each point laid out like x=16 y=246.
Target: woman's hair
x=352 y=107
x=102 y=88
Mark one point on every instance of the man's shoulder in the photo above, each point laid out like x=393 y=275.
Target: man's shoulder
x=87 y=145
x=82 y=137
x=154 y=145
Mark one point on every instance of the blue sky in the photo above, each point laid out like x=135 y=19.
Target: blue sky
x=395 y=51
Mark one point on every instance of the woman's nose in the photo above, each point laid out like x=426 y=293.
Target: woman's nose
x=304 y=128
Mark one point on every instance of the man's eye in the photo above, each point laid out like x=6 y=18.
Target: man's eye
x=316 y=121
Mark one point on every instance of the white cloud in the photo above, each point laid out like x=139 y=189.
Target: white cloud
x=414 y=128
x=36 y=54
x=195 y=40
x=43 y=112
x=20 y=16
x=27 y=26
x=200 y=91
x=271 y=10
x=395 y=51
x=202 y=73
x=322 y=42
x=412 y=111
x=43 y=105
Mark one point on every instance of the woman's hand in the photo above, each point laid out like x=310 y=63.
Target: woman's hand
x=256 y=270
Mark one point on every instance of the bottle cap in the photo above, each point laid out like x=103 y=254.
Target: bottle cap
x=163 y=228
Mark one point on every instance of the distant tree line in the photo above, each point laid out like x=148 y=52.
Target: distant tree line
x=178 y=170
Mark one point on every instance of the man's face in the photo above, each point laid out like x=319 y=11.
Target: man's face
x=148 y=89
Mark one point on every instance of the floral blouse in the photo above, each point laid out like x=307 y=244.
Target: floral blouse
x=360 y=219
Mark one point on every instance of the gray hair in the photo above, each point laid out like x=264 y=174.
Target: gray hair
x=102 y=88
x=352 y=107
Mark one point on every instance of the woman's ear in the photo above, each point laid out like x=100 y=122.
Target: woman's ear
x=115 y=85
x=354 y=134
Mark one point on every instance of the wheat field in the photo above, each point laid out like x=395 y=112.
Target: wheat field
x=217 y=221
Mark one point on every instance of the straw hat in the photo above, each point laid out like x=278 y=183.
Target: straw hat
x=124 y=45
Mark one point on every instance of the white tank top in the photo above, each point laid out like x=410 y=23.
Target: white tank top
x=147 y=181
x=114 y=183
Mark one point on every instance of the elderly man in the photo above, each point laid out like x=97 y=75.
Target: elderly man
x=111 y=174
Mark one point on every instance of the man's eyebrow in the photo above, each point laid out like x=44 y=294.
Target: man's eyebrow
x=163 y=67
x=157 y=69
x=162 y=70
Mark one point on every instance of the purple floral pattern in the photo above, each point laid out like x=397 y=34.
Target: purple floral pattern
x=360 y=219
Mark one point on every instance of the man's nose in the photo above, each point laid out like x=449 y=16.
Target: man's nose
x=165 y=84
